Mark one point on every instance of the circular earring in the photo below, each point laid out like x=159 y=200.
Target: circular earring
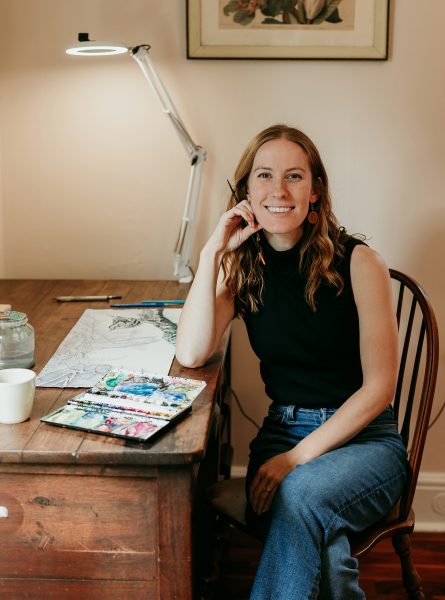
x=312 y=216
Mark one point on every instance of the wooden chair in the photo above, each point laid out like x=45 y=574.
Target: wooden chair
x=412 y=407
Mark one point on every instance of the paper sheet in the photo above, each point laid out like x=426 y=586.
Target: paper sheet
x=102 y=340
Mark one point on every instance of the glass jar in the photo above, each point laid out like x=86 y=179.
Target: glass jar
x=16 y=340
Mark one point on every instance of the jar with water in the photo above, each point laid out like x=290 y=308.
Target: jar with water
x=16 y=340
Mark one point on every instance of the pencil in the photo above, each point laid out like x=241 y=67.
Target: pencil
x=86 y=298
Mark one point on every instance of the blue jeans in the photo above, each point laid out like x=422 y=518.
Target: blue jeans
x=307 y=554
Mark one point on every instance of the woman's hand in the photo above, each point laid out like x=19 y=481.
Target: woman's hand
x=232 y=230
x=268 y=478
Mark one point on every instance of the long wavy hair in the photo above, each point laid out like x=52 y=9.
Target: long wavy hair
x=320 y=244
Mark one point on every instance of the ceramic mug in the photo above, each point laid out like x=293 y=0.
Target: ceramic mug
x=17 y=388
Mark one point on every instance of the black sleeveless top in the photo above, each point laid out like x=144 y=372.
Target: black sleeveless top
x=310 y=359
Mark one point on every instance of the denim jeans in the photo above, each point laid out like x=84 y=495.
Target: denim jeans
x=307 y=554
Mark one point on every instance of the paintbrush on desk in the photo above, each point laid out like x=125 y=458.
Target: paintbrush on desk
x=256 y=236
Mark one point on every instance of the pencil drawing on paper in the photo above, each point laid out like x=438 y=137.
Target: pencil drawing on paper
x=107 y=339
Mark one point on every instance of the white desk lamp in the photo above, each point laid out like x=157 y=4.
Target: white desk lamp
x=196 y=154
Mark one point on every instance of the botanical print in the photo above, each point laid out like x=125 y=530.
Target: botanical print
x=313 y=13
x=288 y=29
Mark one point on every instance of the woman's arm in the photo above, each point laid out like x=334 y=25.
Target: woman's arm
x=371 y=286
x=209 y=307
x=206 y=314
x=373 y=296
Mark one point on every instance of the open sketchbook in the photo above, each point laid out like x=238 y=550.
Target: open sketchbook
x=129 y=404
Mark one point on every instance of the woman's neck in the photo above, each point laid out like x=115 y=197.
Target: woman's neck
x=283 y=241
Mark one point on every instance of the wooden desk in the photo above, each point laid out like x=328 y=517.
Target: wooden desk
x=91 y=516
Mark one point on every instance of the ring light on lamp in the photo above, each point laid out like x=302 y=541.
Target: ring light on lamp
x=196 y=154
x=90 y=48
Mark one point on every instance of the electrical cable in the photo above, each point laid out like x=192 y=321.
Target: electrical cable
x=242 y=411
x=255 y=424
x=191 y=271
x=441 y=409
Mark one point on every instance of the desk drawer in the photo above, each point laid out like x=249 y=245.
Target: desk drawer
x=78 y=528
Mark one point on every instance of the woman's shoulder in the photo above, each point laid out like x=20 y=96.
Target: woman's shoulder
x=345 y=246
x=368 y=263
x=359 y=259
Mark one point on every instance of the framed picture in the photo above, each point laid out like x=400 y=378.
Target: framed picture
x=288 y=29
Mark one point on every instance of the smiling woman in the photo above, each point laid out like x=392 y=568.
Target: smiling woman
x=328 y=459
x=296 y=163
x=280 y=191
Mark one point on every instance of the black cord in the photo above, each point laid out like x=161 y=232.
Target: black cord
x=441 y=409
x=255 y=424
x=245 y=415
x=191 y=271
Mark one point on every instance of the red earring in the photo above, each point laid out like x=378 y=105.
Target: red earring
x=312 y=216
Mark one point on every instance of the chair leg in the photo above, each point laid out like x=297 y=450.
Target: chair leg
x=410 y=576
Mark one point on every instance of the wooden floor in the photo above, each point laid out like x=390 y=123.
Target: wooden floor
x=380 y=570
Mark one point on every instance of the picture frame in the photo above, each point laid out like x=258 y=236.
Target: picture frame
x=288 y=29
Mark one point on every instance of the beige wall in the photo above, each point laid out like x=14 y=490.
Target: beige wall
x=92 y=175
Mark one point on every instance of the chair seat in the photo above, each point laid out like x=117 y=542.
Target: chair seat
x=228 y=498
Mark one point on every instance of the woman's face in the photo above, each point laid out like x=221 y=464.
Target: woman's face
x=280 y=190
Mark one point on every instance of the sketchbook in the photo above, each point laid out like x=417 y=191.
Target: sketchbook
x=127 y=404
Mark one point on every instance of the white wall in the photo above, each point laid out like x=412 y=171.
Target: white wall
x=2 y=111
x=93 y=176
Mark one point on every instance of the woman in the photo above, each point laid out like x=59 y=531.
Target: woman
x=317 y=304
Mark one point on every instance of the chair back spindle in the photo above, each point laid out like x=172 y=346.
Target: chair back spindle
x=418 y=339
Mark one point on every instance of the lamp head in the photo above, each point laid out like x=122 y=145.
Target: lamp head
x=87 y=47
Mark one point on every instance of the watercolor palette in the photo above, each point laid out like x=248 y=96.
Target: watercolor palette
x=129 y=404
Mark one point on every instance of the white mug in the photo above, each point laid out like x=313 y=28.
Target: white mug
x=17 y=388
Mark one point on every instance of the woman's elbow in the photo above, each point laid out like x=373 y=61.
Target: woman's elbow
x=190 y=360
x=382 y=392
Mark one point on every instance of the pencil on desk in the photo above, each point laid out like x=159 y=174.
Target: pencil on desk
x=86 y=298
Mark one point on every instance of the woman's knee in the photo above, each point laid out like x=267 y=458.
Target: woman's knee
x=300 y=494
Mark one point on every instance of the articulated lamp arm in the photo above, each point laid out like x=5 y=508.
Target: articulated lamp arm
x=196 y=154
